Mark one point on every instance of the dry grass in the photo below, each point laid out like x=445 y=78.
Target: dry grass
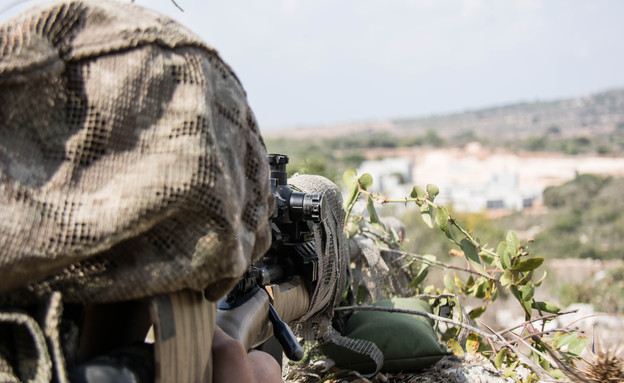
x=604 y=366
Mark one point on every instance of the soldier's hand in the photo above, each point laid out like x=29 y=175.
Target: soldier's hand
x=232 y=363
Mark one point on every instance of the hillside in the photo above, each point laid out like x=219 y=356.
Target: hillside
x=592 y=125
x=598 y=113
x=584 y=219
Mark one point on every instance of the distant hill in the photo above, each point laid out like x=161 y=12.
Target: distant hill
x=592 y=125
x=600 y=113
x=585 y=219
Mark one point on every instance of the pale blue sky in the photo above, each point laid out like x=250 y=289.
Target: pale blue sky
x=306 y=62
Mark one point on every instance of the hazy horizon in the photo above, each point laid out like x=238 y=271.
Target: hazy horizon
x=322 y=62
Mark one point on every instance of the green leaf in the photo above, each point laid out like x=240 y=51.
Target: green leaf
x=543 y=362
x=441 y=218
x=557 y=374
x=349 y=178
x=469 y=282
x=577 y=346
x=503 y=255
x=352 y=229
x=418 y=192
x=529 y=264
x=377 y=229
x=527 y=309
x=372 y=213
x=433 y=191
x=527 y=292
x=472 y=343
x=430 y=289
x=480 y=288
x=449 y=283
x=539 y=283
x=524 y=280
x=564 y=339
x=422 y=274
x=365 y=181
x=510 y=372
x=455 y=347
x=362 y=294
x=429 y=259
x=512 y=242
x=487 y=258
x=507 y=278
x=426 y=212
x=500 y=357
x=546 y=307
x=494 y=293
x=350 y=181
x=515 y=292
x=470 y=251
x=458 y=282
x=476 y=312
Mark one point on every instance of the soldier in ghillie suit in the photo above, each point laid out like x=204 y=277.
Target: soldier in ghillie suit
x=133 y=180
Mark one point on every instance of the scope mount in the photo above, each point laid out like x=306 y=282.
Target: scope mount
x=293 y=206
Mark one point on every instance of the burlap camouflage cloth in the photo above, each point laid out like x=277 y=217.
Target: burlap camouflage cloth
x=130 y=161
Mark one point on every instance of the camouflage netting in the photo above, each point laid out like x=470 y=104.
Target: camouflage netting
x=330 y=243
x=332 y=248
x=130 y=162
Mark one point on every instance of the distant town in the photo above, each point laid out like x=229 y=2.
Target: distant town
x=476 y=179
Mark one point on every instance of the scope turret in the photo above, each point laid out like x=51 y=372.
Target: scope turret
x=291 y=205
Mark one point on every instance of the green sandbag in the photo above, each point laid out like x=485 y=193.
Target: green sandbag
x=407 y=341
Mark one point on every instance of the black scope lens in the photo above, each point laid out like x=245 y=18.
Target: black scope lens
x=308 y=206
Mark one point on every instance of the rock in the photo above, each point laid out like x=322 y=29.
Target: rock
x=470 y=369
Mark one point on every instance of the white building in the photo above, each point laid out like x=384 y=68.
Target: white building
x=492 y=189
x=390 y=175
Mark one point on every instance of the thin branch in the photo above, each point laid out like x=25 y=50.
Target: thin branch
x=565 y=368
x=352 y=204
x=495 y=350
x=539 y=370
x=545 y=317
x=419 y=313
x=545 y=332
x=360 y=376
x=537 y=339
x=177 y=6
x=433 y=296
x=438 y=263
x=451 y=220
x=595 y=315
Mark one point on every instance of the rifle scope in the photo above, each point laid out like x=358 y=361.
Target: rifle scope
x=293 y=206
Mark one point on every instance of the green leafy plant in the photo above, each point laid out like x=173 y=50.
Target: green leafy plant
x=508 y=267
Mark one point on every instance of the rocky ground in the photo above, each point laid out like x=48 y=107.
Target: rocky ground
x=469 y=369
